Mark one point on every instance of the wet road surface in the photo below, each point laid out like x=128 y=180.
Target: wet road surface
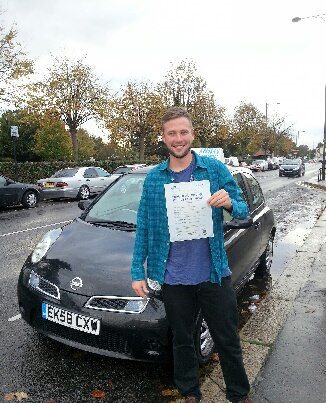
x=50 y=372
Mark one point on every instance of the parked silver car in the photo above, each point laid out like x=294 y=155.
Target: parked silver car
x=78 y=182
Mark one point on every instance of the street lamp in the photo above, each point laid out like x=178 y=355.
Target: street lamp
x=297 y=19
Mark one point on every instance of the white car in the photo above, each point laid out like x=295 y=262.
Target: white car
x=78 y=182
x=259 y=165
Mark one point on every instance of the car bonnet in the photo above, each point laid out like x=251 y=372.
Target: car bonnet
x=99 y=256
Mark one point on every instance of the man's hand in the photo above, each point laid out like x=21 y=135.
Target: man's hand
x=220 y=199
x=140 y=288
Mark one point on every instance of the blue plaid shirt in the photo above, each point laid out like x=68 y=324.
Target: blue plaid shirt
x=152 y=236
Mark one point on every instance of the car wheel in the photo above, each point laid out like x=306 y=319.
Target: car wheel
x=279 y=174
x=266 y=259
x=83 y=193
x=29 y=199
x=204 y=344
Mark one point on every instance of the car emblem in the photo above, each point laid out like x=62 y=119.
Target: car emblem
x=75 y=283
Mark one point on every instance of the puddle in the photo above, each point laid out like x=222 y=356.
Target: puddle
x=284 y=250
x=286 y=247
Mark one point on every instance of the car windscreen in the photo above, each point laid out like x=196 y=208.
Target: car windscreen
x=291 y=162
x=65 y=173
x=120 y=202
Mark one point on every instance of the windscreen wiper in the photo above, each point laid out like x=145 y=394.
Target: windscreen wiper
x=114 y=224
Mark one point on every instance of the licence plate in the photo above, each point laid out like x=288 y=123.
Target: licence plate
x=70 y=319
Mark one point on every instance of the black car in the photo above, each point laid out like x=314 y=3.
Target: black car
x=292 y=167
x=14 y=193
x=76 y=285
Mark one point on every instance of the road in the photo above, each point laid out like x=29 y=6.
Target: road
x=50 y=372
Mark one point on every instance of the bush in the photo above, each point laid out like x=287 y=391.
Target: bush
x=31 y=172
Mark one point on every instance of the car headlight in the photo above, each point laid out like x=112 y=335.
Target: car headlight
x=43 y=246
x=281 y=169
x=136 y=306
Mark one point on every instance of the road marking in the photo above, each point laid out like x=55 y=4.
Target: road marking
x=32 y=229
x=13 y=318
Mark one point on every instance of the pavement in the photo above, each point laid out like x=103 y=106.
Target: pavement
x=283 y=342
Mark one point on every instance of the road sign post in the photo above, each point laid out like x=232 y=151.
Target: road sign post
x=14 y=136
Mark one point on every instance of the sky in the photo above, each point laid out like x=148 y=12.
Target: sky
x=246 y=50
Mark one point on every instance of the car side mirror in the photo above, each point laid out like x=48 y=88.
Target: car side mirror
x=238 y=224
x=9 y=182
x=83 y=204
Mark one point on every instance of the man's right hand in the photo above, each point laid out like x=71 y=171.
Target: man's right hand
x=140 y=288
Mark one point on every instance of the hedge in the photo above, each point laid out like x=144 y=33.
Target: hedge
x=31 y=172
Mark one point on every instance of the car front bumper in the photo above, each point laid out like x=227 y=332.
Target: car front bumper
x=289 y=173
x=144 y=337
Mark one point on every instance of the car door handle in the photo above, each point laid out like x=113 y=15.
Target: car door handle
x=87 y=180
x=257 y=225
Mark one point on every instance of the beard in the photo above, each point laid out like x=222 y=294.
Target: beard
x=176 y=155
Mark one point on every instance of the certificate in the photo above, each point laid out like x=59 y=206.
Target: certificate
x=189 y=215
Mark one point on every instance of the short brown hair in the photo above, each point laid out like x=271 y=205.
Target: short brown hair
x=175 y=112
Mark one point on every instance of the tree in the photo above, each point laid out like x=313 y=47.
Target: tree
x=86 y=148
x=13 y=61
x=248 y=128
x=183 y=86
x=72 y=92
x=52 y=141
x=134 y=117
x=28 y=124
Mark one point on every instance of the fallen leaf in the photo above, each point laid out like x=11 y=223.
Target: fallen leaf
x=15 y=396
x=110 y=384
x=98 y=394
x=169 y=392
x=215 y=357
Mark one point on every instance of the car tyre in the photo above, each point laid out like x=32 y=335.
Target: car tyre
x=29 y=199
x=83 y=193
x=204 y=344
x=266 y=259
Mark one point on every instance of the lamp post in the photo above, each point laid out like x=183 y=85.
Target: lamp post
x=322 y=17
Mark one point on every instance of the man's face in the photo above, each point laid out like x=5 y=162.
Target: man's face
x=178 y=136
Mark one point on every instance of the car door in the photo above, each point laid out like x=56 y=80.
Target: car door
x=258 y=214
x=238 y=241
x=103 y=178
x=3 y=182
x=10 y=192
x=91 y=180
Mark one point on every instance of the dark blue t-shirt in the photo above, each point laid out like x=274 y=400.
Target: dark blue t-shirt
x=189 y=262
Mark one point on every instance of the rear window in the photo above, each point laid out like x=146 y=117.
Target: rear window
x=291 y=162
x=65 y=173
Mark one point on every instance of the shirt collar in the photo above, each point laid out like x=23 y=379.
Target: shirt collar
x=199 y=162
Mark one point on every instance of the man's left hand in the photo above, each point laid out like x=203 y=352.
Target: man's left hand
x=220 y=199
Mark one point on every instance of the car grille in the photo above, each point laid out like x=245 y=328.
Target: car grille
x=43 y=286
x=106 y=340
x=107 y=304
x=117 y=304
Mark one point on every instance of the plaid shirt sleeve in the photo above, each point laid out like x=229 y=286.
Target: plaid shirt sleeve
x=141 y=241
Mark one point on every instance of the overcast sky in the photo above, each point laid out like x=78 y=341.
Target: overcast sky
x=245 y=50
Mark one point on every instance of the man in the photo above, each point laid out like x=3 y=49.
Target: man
x=193 y=273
